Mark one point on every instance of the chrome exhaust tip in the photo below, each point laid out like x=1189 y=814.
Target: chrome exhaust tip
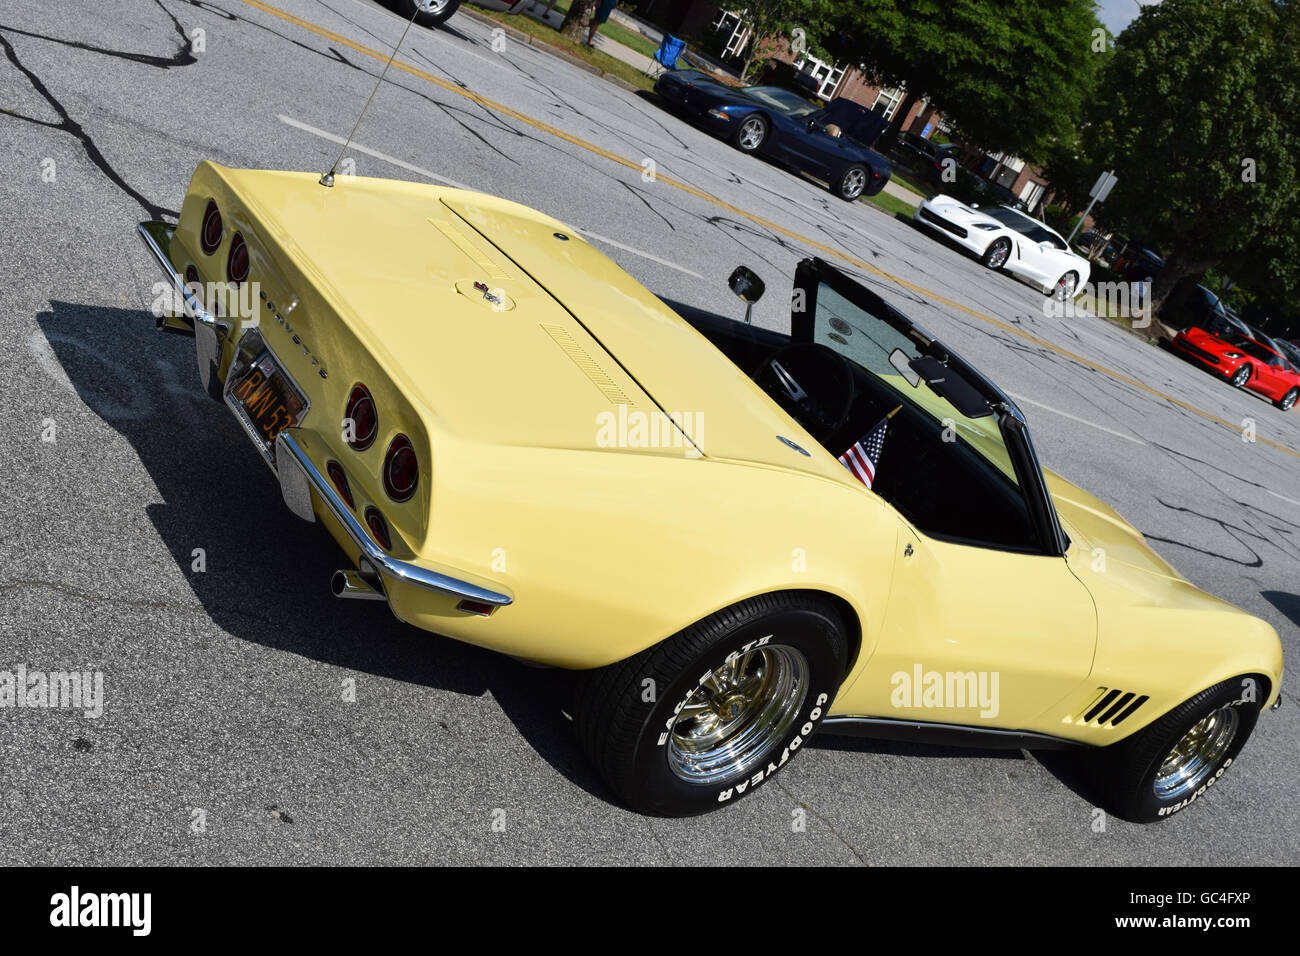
x=354 y=586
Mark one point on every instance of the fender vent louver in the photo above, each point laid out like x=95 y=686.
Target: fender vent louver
x=1107 y=707
x=589 y=366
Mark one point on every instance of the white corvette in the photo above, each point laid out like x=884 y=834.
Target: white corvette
x=1009 y=240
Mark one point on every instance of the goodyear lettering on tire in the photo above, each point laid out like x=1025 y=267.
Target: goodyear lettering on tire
x=814 y=716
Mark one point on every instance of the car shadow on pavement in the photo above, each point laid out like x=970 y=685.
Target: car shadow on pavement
x=1287 y=603
x=267 y=572
x=1064 y=765
x=870 y=745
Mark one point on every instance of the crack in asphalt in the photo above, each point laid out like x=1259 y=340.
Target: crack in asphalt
x=67 y=124
x=182 y=57
x=655 y=836
x=829 y=826
x=1226 y=526
x=637 y=193
x=207 y=610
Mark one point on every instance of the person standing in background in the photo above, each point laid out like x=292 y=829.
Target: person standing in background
x=603 y=10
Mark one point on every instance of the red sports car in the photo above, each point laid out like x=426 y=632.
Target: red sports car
x=1243 y=361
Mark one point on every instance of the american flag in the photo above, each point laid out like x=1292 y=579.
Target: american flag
x=862 y=458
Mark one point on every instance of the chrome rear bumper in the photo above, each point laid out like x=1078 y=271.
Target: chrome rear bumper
x=297 y=475
x=209 y=332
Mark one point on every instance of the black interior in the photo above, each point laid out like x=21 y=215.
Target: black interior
x=945 y=488
x=826 y=378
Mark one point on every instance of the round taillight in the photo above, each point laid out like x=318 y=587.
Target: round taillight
x=237 y=261
x=210 y=233
x=335 y=471
x=360 y=411
x=401 y=469
x=378 y=527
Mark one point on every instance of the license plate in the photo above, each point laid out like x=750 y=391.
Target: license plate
x=268 y=399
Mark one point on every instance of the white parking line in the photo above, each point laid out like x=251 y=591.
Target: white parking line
x=639 y=252
x=1283 y=497
x=419 y=170
x=1075 y=418
x=430 y=174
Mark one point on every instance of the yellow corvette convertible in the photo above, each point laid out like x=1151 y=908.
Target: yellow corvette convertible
x=739 y=537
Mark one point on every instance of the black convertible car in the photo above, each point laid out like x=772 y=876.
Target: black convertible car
x=832 y=143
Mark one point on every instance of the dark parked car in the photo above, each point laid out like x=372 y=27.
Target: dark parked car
x=1291 y=350
x=1136 y=262
x=976 y=191
x=925 y=157
x=832 y=142
x=429 y=13
x=1204 y=310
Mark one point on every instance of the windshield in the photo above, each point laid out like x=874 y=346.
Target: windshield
x=1025 y=226
x=1264 y=340
x=885 y=353
x=788 y=103
x=1218 y=322
x=1250 y=347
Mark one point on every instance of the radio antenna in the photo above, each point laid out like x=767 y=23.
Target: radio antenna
x=327 y=179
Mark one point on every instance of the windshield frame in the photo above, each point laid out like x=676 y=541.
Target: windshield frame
x=1030 y=480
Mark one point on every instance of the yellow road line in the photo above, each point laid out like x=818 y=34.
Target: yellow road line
x=757 y=220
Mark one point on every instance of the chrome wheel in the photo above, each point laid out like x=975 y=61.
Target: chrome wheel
x=855 y=180
x=1065 y=288
x=432 y=6
x=1241 y=376
x=729 y=724
x=998 y=254
x=752 y=133
x=1194 y=757
x=1288 y=400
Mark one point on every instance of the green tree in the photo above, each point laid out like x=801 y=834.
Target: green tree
x=1072 y=169
x=782 y=25
x=1013 y=76
x=1198 y=117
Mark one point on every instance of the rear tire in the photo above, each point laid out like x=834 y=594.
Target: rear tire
x=707 y=716
x=852 y=183
x=431 y=13
x=1065 y=287
x=1287 y=401
x=1167 y=766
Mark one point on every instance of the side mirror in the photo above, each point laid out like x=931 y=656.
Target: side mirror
x=974 y=205
x=748 y=287
x=746 y=284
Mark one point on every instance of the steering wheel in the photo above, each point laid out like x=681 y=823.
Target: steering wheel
x=812 y=383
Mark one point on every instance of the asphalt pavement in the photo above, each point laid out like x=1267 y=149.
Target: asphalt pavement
x=251 y=718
